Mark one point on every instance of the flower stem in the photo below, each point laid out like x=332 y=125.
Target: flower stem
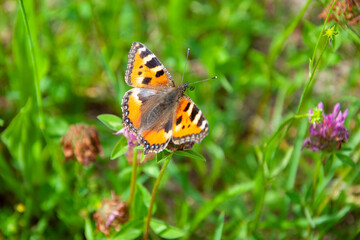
x=153 y=195
x=320 y=36
x=133 y=179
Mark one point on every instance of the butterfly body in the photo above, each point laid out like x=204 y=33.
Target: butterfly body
x=155 y=110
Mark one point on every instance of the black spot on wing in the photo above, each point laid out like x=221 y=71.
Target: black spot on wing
x=187 y=107
x=145 y=53
x=178 y=121
x=201 y=121
x=139 y=73
x=154 y=62
x=194 y=112
x=160 y=73
x=168 y=126
x=141 y=66
x=146 y=80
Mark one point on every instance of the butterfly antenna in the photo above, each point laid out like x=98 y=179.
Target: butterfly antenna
x=203 y=80
x=187 y=59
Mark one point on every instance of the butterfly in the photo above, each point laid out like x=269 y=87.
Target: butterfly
x=155 y=110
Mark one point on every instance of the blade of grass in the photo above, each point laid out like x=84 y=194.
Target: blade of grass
x=35 y=70
x=219 y=227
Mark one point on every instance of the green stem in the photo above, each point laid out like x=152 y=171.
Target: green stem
x=35 y=69
x=283 y=124
x=320 y=36
x=310 y=81
x=153 y=195
x=133 y=179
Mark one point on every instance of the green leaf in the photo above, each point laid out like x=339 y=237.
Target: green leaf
x=55 y=127
x=23 y=140
x=346 y=149
x=219 y=227
x=89 y=233
x=309 y=218
x=1 y=122
x=164 y=230
x=146 y=196
x=141 y=202
x=10 y=179
x=191 y=154
x=131 y=230
x=345 y=159
x=151 y=170
x=111 y=121
x=329 y=163
x=119 y=149
x=294 y=197
x=161 y=156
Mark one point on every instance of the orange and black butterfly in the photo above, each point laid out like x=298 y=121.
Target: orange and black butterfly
x=155 y=110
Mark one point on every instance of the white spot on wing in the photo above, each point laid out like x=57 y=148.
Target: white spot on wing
x=158 y=68
x=149 y=57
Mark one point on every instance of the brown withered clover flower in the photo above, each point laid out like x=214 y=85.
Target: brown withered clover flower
x=112 y=212
x=82 y=142
x=343 y=10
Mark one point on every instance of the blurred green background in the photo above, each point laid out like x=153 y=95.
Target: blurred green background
x=259 y=50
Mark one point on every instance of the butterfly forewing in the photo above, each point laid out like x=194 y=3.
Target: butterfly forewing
x=145 y=70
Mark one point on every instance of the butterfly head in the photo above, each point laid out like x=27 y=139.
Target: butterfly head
x=183 y=87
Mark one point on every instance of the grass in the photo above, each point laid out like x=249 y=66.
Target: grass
x=63 y=63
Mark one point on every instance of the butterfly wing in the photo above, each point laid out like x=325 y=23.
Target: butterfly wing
x=144 y=70
x=190 y=124
x=147 y=120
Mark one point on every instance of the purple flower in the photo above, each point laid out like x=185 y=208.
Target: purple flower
x=132 y=142
x=131 y=139
x=326 y=131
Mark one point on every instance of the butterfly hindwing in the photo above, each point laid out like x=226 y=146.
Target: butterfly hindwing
x=144 y=69
x=138 y=107
x=190 y=124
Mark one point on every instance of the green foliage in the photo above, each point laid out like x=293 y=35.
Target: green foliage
x=63 y=63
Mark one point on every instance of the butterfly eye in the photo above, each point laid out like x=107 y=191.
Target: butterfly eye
x=191 y=88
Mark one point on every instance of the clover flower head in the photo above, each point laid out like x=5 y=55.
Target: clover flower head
x=82 y=142
x=112 y=212
x=131 y=139
x=344 y=12
x=132 y=143
x=326 y=131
